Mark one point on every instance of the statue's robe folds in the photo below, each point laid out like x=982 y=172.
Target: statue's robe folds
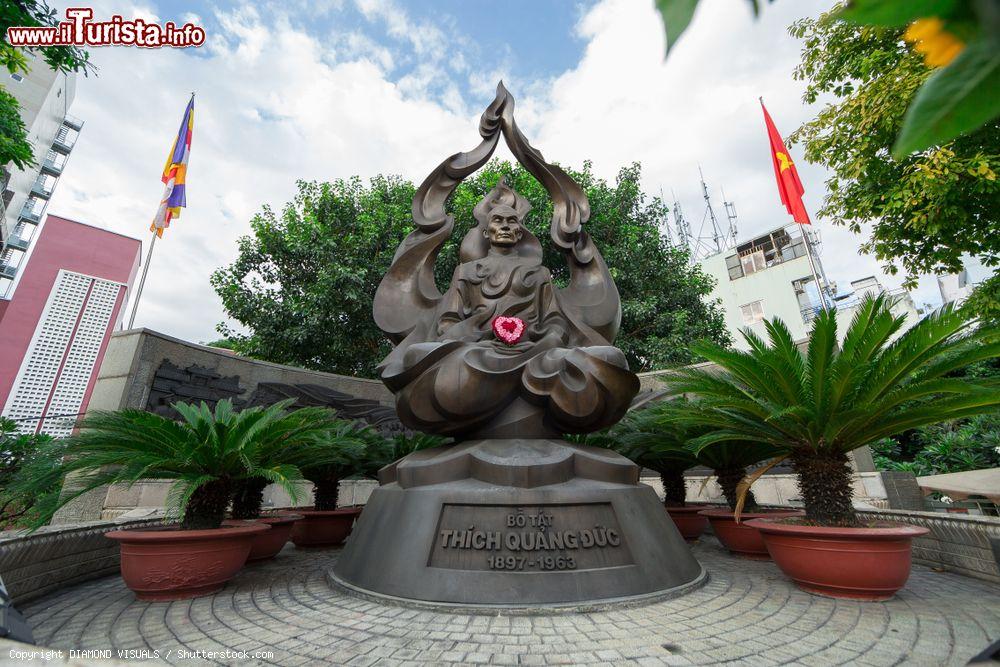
x=454 y=376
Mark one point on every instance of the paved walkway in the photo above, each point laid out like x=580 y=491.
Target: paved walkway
x=747 y=613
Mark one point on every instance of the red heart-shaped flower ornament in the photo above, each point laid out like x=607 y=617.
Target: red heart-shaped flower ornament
x=508 y=329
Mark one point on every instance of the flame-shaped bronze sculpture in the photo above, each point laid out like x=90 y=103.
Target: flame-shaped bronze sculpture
x=449 y=371
x=506 y=362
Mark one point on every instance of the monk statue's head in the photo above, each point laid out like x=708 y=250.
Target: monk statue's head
x=500 y=216
x=503 y=227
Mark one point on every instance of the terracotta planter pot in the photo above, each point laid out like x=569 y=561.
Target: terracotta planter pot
x=167 y=564
x=742 y=539
x=267 y=544
x=688 y=521
x=854 y=563
x=324 y=528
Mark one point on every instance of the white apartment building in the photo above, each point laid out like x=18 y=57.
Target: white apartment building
x=45 y=97
x=769 y=277
x=955 y=287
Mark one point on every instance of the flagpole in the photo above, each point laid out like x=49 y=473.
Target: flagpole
x=812 y=266
x=142 y=281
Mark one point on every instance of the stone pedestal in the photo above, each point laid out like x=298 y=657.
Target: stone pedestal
x=515 y=523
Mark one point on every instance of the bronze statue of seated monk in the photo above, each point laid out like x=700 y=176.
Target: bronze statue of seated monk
x=503 y=353
x=506 y=361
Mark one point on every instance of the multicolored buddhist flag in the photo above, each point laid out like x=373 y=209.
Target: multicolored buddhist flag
x=175 y=174
x=789 y=186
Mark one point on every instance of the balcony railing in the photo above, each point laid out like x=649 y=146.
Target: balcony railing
x=30 y=215
x=41 y=189
x=73 y=122
x=53 y=164
x=18 y=243
x=8 y=271
x=64 y=141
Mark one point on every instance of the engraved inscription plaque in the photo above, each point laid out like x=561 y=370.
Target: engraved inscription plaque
x=529 y=538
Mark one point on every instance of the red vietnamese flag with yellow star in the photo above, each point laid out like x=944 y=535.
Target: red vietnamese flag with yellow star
x=789 y=186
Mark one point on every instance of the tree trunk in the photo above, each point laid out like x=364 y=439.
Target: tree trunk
x=207 y=506
x=248 y=498
x=674 y=491
x=325 y=493
x=825 y=483
x=728 y=479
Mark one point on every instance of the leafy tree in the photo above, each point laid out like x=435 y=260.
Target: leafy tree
x=14 y=144
x=23 y=454
x=221 y=343
x=984 y=302
x=972 y=444
x=960 y=37
x=927 y=208
x=303 y=283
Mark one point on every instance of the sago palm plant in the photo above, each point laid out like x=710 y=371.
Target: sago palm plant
x=728 y=460
x=291 y=442
x=817 y=406
x=641 y=437
x=205 y=454
x=333 y=463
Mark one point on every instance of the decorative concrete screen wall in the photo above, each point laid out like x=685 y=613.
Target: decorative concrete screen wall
x=59 y=556
x=969 y=545
x=149 y=371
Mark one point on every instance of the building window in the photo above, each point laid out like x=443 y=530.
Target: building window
x=733 y=266
x=753 y=261
x=17 y=77
x=752 y=312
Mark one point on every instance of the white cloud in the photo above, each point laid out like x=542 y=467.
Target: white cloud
x=275 y=104
x=269 y=110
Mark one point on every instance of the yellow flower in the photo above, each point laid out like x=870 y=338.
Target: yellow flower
x=929 y=37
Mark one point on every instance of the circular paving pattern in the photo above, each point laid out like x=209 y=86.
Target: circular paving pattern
x=746 y=613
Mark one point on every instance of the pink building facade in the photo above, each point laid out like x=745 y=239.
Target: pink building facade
x=55 y=328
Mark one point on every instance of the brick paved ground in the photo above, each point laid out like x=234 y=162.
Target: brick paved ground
x=747 y=613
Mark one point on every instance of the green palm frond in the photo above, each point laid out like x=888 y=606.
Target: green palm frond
x=830 y=399
x=207 y=445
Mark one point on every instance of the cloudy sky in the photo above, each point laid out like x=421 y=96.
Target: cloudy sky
x=324 y=90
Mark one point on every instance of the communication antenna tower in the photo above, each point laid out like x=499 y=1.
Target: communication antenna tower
x=713 y=242
x=731 y=215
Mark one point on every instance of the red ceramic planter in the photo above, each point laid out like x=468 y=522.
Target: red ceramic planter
x=267 y=544
x=324 y=528
x=167 y=564
x=742 y=539
x=688 y=521
x=854 y=563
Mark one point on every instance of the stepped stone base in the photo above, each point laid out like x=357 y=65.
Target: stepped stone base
x=515 y=523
